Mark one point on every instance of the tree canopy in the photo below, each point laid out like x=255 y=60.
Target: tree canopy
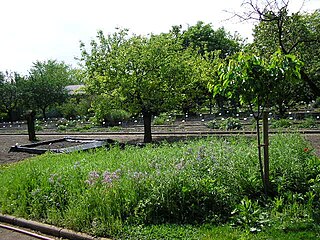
x=203 y=38
x=10 y=92
x=45 y=85
x=139 y=74
x=293 y=33
x=257 y=81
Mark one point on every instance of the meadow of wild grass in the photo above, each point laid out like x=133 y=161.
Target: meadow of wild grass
x=193 y=190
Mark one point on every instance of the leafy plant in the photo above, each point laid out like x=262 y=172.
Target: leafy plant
x=231 y=124
x=309 y=123
x=249 y=214
x=213 y=124
x=281 y=123
x=164 y=119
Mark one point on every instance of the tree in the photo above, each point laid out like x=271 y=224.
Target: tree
x=256 y=81
x=45 y=85
x=203 y=38
x=138 y=74
x=10 y=92
x=296 y=33
x=208 y=43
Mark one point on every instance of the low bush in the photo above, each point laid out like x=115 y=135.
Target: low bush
x=231 y=124
x=225 y=124
x=163 y=119
x=281 y=123
x=308 y=123
x=213 y=124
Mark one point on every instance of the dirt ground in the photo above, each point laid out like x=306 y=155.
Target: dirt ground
x=6 y=141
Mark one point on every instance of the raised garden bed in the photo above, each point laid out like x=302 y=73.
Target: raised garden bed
x=62 y=145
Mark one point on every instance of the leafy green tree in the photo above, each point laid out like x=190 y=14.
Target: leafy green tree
x=203 y=38
x=75 y=106
x=138 y=74
x=257 y=82
x=45 y=86
x=207 y=42
x=10 y=92
x=296 y=33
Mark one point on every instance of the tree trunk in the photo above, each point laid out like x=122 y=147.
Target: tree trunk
x=147 y=127
x=10 y=115
x=266 y=151
x=31 y=128
x=260 y=155
x=314 y=88
x=210 y=105
x=44 y=113
x=281 y=110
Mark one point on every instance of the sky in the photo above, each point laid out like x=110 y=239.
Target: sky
x=38 y=30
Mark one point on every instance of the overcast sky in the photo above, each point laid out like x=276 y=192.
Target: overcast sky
x=34 y=30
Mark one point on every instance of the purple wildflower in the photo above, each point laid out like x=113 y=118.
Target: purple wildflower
x=93 y=177
x=138 y=175
x=109 y=177
x=180 y=165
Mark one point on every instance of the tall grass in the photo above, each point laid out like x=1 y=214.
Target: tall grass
x=211 y=180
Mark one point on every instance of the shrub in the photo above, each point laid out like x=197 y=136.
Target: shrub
x=113 y=117
x=213 y=124
x=38 y=127
x=163 y=119
x=281 y=123
x=107 y=116
x=316 y=104
x=74 y=107
x=62 y=128
x=308 y=123
x=231 y=124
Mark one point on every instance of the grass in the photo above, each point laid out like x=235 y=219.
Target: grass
x=199 y=189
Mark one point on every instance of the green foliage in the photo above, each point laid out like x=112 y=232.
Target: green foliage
x=204 y=38
x=75 y=106
x=281 y=123
x=297 y=34
x=164 y=119
x=10 y=92
x=62 y=128
x=231 y=123
x=213 y=124
x=45 y=85
x=110 y=117
x=316 y=104
x=212 y=180
x=248 y=214
x=38 y=127
x=256 y=81
x=208 y=43
x=309 y=122
x=138 y=74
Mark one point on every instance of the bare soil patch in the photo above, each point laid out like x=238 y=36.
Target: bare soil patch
x=7 y=141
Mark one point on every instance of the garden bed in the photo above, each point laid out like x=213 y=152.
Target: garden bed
x=62 y=145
